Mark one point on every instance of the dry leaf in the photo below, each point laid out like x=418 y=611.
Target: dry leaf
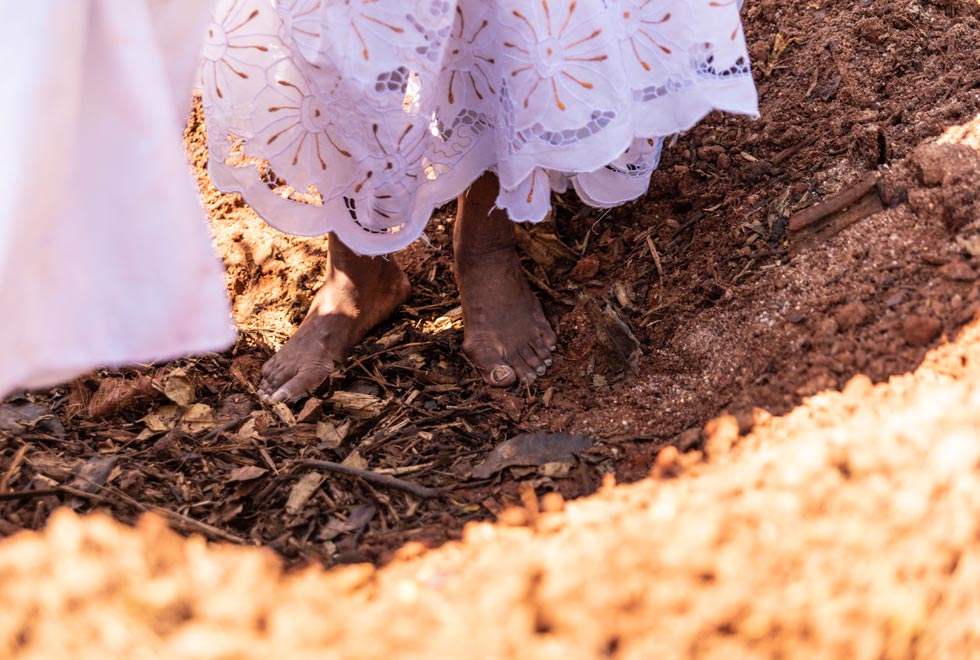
x=246 y=473
x=22 y=417
x=255 y=426
x=302 y=491
x=311 y=410
x=92 y=475
x=586 y=268
x=360 y=515
x=162 y=419
x=283 y=412
x=198 y=417
x=178 y=388
x=355 y=460
x=330 y=435
x=535 y=449
x=555 y=470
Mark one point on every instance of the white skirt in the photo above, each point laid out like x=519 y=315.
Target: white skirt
x=105 y=255
x=361 y=116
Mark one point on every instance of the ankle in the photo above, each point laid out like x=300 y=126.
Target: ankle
x=474 y=256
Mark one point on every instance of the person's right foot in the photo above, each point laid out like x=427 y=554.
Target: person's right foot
x=359 y=293
x=505 y=332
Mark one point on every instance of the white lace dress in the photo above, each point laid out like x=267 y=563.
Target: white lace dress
x=360 y=116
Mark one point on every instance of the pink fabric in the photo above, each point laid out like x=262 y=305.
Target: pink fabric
x=105 y=255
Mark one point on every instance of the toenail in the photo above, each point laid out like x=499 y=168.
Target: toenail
x=547 y=361
x=554 y=348
x=500 y=374
x=540 y=371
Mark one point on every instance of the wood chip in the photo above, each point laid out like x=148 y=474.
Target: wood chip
x=302 y=491
x=360 y=406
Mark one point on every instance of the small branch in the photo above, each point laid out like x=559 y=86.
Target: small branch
x=178 y=520
x=368 y=475
x=36 y=492
x=838 y=202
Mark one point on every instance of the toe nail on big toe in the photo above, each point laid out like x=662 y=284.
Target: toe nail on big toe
x=540 y=371
x=500 y=374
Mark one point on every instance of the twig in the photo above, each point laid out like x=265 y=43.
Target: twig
x=840 y=201
x=868 y=206
x=368 y=475
x=656 y=259
x=14 y=464
x=36 y=492
x=216 y=431
x=792 y=150
x=178 y=520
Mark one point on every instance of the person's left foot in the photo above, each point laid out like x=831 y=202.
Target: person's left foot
x=505 y=332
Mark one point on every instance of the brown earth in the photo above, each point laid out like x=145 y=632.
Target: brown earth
x=844 y=526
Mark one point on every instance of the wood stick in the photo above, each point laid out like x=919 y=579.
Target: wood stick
x=368 y=475
x=840 y=201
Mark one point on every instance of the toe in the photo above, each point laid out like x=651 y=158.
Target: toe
x=501 y=376
x=303 y=383
x=549 y=337
x=491 y=362
x=541 y=350
x=535 y=366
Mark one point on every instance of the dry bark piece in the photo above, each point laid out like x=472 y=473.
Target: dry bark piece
x=586 y=268
x=355 y=404
x=302 y=491
x=532 y=449
x=310 y=411
x=620 y=345
x=117 y=394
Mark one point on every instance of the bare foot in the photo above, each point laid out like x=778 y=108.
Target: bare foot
x=505 y=331
x=359 y=293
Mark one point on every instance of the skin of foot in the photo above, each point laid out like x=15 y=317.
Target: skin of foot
x=359 y=293
x=505 y=332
